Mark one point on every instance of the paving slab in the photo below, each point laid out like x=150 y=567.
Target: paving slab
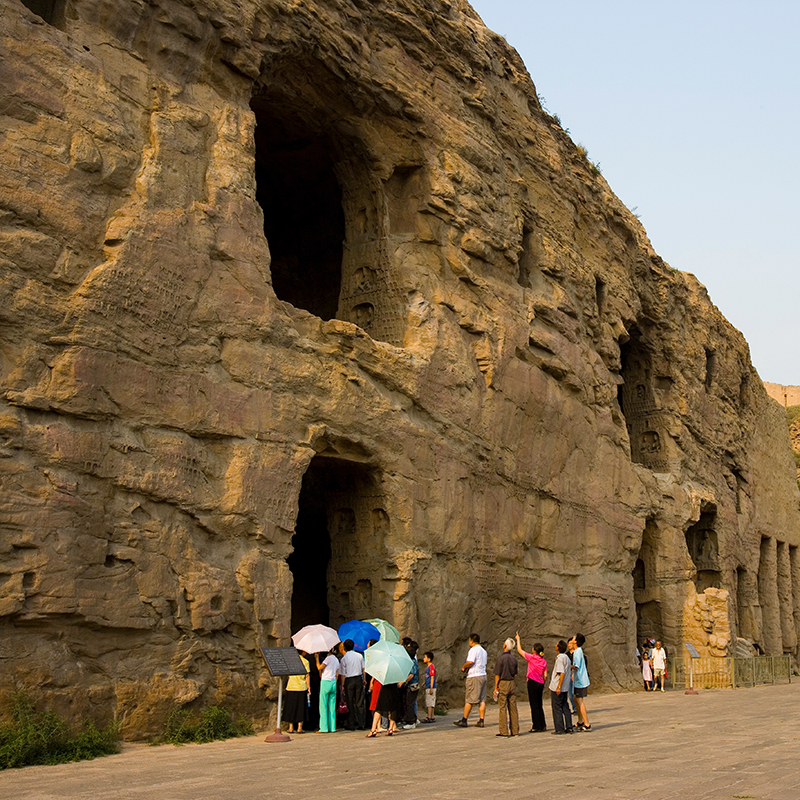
x=717 y=745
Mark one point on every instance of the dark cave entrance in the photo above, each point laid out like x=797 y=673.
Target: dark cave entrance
x=312 y=553
x=300 y=195
x=646 y=592
x=53 y=12
x=338 y=543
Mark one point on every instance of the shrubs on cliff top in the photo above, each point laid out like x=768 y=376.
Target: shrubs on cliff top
x=184 y=726
x=42 y=737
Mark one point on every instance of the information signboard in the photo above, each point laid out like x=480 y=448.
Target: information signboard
x=692 y=649
x=283 y=661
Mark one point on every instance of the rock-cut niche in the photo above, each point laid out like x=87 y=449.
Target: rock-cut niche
x=636 y=395
x=701 y=542
x=338 y=557
x=320 y=186
x=299 y=193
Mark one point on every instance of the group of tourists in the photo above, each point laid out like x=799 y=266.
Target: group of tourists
x=356 y=701
x=653 y=661
x=569 y=685
x=361 y=703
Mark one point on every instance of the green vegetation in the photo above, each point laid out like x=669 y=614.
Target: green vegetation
x=792 y=414
x=184 y=726
x=42 y=737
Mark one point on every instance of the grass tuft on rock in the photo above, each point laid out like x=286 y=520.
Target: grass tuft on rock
x=213 y=723
x=42 y=737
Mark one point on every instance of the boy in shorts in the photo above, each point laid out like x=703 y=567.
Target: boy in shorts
x=430 y=686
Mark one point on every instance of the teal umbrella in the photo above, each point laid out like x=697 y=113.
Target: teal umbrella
x=387 y=662
x=387 y=631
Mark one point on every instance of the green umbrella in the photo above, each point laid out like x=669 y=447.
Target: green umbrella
x=387 y=631
x=387 y=662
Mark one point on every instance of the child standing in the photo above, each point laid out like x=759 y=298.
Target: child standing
x=430 y=686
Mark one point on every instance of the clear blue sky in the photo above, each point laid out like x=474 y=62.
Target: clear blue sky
x=692 y=111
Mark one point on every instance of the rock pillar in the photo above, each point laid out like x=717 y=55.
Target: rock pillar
x=768 y=597
x=794 y=567
x=786 y=599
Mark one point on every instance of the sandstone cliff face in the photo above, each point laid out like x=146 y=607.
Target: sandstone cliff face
x=309 y=310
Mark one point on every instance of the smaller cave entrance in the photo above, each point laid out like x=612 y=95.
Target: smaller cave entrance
x=338 y=552
x=648 y=621
x=53 y=12
x=701 y=542
x=299 y=192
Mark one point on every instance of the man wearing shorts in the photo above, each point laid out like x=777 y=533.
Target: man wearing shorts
x=580 y=678
x=659 y=657
x=475 y=667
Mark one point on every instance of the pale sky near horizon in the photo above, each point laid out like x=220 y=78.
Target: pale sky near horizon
x=691 y=110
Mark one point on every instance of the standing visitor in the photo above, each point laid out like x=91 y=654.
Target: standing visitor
x=537 y=675
x=505 y=690
x=297 y=698
x=328 y=670
x=559 y=690
x=353 y=680
x=580 y=682
x=430 y=686
x=475 y=667
x=659 y=665
x=412 y=688
x=647 y=667
x=571 y=645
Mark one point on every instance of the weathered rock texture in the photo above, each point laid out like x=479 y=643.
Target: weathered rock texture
x=328 y=267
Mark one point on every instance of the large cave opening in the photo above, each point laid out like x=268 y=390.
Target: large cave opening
x=300 y=195
x=338 y=557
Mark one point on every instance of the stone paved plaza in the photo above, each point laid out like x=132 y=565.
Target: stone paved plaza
x=718 y=745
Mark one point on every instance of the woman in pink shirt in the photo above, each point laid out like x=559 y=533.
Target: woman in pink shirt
x=537 y=673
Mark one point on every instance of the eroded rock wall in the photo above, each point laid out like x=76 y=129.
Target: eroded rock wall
x=328 y=267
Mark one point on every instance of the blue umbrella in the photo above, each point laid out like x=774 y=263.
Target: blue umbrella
x=360 y=632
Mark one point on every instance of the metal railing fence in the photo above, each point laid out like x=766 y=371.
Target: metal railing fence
x=710 y=672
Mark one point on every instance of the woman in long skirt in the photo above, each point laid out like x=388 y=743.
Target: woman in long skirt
x=297 y=698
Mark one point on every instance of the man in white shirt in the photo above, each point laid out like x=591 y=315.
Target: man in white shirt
x=659 y=657
x=351 y=673
x=475 y=667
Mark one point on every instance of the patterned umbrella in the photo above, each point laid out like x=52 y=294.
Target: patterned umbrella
x=388 y=631
x=360 y=632
x=315 y=638
x=388 y=662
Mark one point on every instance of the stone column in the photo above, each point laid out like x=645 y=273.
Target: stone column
x=794 y=567
x=768 y=598
x=786 y=599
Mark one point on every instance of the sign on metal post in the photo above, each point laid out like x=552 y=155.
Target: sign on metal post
x=693 y=655
x=281 y=661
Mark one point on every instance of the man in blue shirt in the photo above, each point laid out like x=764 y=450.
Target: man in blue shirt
x=580 y=677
